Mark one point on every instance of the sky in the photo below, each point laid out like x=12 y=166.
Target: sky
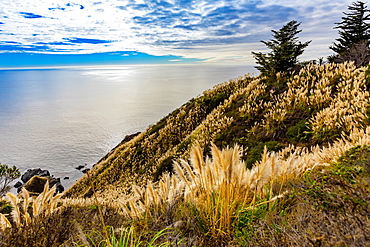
x=89 y=32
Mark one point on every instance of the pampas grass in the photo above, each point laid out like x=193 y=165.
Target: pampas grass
x=221 y=186
x=44 y=204
x=16 y=213
x=26 y=202
x=4 y=222
x=336 y=93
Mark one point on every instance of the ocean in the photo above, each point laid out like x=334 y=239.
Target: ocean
x=59 y=119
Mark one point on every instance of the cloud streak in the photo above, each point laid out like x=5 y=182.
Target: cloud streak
x=202 y=29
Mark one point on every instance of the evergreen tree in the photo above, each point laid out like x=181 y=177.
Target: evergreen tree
x=285 y=49
x=354 y=28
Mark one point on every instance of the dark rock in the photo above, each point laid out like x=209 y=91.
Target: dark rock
x=56 y=182
x=130 y=137
x=66 y=178
x=36 y=184
x=35 y=179
x=34 y=172
x=59 y=188
x=18 y=184
x=79 y=167
x=85 y=170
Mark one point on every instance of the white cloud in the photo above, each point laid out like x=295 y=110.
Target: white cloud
x=218 y=31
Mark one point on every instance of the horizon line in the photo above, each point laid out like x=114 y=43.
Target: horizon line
x=112 y=66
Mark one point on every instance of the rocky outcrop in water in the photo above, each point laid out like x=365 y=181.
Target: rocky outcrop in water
x=34 y=181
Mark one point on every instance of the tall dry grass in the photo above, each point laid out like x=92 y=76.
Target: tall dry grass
x=220 y=186
x=334 y=95
x=44 y=204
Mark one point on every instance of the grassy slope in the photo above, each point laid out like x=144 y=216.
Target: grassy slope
x=328 y=207
x=312 y=108
x=152 y=152
x=251 y=112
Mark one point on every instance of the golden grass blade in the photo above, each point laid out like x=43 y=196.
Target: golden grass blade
x=26 y=202
x=36 y=206
x=16 y=214
x=54 y=202
x=41 y=198
x=180 y=173
x=188 y=170
x=4 y=222
x=135 y=212
x=196 y=158
x=137 y=190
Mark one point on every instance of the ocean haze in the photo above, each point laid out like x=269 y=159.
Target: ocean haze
x=58 y=119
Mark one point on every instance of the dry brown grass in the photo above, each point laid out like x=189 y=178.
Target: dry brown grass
x=221 y=185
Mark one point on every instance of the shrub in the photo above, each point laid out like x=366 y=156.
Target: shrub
x=298 y=132
x=7 y=175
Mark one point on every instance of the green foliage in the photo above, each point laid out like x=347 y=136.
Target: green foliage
x=165 y=166
x=255 y=152
x=125 y=237
x=357 y=157
x=159 y=234
x=325 y=135
x=94 y=206
x=5 y=208
x=184 y=145
x=212 y=101
x=298 y=133
x=7 y=175
x=346 y=176
x=245 y=223
x=285 y=50
x=353 y=29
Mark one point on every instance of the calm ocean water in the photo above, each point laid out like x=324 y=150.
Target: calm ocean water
x=58 y=119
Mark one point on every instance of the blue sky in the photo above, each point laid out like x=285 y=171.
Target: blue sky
x=88 y=32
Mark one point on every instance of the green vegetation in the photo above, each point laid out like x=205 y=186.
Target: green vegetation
x=354 y=35
x=126 y=238
x=285 y=50
x=328 y=207
x=298 y=133
x=7 y=175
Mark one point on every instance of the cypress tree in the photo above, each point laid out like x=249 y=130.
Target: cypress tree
x=285 y=49
x=353 y=29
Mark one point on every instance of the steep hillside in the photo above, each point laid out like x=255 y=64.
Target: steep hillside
x=152 y=152
x=256 y=161
x=313 y=108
